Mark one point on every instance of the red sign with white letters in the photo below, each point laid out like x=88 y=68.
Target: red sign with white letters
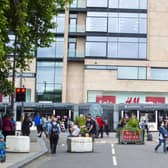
x=106 y=99
x=131 y=136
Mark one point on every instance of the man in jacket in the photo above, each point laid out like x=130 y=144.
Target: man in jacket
x=53 y=132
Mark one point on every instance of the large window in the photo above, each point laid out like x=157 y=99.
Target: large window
x=55 y=50
x=129 y=4
x=73 y=23
x=59 y=23
x=49 y=79
x=115 y=47
x=96 y=21
x=97 y=3
x=72 y=47
x=131 y=72
x=159 y=74
x=116 y=22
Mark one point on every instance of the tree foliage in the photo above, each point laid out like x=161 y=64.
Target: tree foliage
x=30 y=22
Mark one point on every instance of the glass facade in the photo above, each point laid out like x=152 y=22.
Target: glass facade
x=116 y=47
x=56 y=50
x=116 y=22
x=111 y=29
x=132 y=73
x=159 y=73
x=49 y=81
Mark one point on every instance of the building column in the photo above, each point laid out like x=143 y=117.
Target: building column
x=65 y=57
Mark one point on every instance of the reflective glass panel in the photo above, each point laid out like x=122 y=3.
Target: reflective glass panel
x=128 y=50
x=96 y=24
x=129 y=4
x=97 y=3
x=96 y=49
x=159 y=74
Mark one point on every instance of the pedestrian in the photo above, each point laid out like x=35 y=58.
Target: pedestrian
x=101 y=125
x=163 y=134
x=27 y=123
x=91 y=126
x=53 y=132
x=1 y=123
x=2 y=149
x=7 y=126
x=106 y=127
x=38 y=124
x=13 y=121
x=74 y=130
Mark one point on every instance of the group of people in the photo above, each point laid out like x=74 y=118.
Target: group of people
x=94 y=127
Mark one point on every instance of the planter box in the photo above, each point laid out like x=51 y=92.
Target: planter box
x=18 y=143
x=131 y=137
x=79 y=144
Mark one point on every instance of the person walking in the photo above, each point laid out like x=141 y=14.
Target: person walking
x=163 y=134
x=38 y=124
x=101 y=125
x=7 y=126
x=53 y=132
x=27 y=123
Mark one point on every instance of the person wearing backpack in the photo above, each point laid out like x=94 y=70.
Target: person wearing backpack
x=53 y=132
x=163 y=134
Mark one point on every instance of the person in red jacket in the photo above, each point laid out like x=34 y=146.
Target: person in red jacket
x=100 y=124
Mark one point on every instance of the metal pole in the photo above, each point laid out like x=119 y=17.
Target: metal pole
x=13 y=74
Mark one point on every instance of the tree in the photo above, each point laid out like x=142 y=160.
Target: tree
x=29 y=22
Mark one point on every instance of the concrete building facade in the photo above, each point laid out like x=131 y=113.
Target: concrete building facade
x=110 y=51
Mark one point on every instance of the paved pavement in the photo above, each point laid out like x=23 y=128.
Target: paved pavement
x=39 y=148
x=17 y=160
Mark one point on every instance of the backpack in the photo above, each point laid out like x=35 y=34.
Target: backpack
x=54 y=129
x=163 y=131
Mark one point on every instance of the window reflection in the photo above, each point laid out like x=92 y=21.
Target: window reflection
x=126 y=48
x=129 y=4
x=96 y=49
x=116 y=22
x=159 y=73
x=131 y=72
x=98 y=3
x=55 y=50
x=96 y=24
x=49 y=78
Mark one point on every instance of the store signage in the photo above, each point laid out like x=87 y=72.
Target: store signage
x=156 y=100
x=106 y=99
x=135 y=100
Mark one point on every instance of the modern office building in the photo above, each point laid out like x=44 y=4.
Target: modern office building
x=108 y=51
x=105 y=51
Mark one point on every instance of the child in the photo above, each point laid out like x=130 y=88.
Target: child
x=2 y=149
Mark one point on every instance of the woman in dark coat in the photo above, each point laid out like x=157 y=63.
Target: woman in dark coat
x=26 y=126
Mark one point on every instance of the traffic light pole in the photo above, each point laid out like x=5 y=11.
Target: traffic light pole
x=13 y=77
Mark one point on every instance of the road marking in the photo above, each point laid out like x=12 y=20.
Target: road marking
x=113 y=155
x=114 y=161
x=113 y=151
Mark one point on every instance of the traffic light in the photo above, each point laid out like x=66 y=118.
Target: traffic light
x=20 y=94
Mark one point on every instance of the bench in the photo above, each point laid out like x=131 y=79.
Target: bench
x=79 y=144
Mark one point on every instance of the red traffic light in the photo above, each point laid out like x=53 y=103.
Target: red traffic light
x=20 y=94
x=19 y=90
